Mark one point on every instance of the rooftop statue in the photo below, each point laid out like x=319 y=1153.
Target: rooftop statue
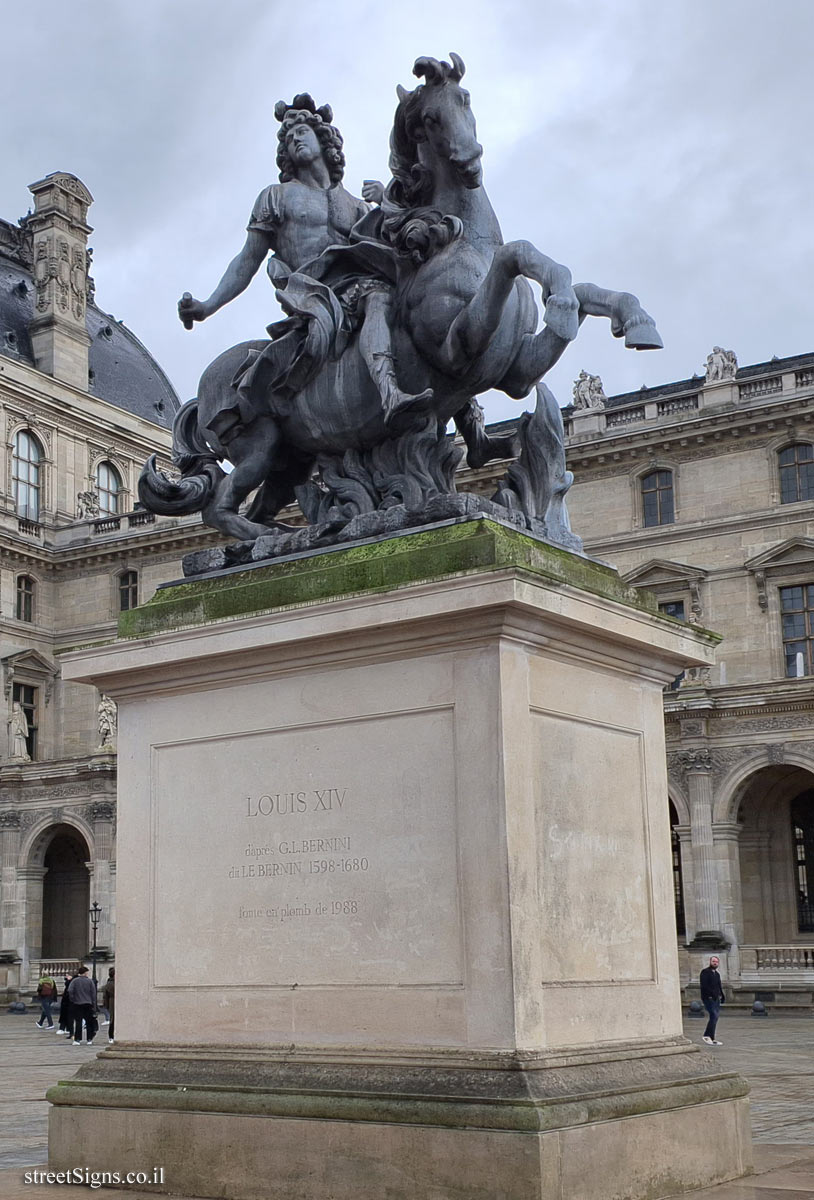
x=401 y=308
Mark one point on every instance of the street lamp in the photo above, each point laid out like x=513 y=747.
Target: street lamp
x=95 y=914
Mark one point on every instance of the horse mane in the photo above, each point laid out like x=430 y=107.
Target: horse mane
x=411 y=184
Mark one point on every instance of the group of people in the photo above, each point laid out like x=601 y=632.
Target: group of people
x=78 y=1005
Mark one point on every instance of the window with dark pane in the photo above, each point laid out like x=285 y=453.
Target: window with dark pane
x=673 y=608
x=802 y=838
x=25 y=475
x=797 y=614
x=128 y=590
x=26 y=696
x=796 y=473
x=657 y=498
x=25 y=598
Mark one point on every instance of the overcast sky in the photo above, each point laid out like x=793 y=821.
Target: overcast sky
x=659 y=146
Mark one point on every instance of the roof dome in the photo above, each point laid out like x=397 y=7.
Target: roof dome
x=121 y=370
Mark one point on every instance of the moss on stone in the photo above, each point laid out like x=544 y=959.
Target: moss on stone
x=470 y=547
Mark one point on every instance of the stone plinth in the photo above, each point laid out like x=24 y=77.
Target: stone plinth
x=395 y=888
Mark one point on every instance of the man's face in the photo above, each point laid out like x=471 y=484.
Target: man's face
x=713 y=962
x=302 y=144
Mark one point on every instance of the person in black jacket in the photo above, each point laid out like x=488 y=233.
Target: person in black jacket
x=712 y=997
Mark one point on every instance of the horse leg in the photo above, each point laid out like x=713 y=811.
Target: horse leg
x=481 y=446
x=475 y=326
x=254 y=452
x=627 y=317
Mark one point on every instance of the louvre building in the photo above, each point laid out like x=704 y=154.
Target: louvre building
x=701 y=491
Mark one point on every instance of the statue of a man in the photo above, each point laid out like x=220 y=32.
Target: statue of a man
x=297 y=220
x=721 y=364
x=108 y=721
x=588 y=391
x=18 y=733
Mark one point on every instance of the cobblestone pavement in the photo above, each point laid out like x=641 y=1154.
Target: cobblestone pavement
x=776 y=1054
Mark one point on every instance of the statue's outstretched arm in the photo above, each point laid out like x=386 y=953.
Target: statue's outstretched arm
x=236 y=278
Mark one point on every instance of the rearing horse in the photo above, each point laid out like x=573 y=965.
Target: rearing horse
x=464 y=321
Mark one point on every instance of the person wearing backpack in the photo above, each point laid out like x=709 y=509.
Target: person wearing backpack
x=46 y=994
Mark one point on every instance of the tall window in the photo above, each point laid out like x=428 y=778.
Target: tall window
x=128 y=590
x=108 y=486
x=796 y=473
x=797 y=612
x=657 y=498
x=26 y=696
x=802 y=833
x=25 y=475
x=678 y=882
x=25 y=598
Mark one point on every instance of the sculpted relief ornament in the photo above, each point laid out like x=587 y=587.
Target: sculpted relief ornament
x=108 y=723
x=401 y=307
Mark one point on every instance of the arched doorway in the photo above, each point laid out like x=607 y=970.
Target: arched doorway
x=776 y=814
x=65 y=895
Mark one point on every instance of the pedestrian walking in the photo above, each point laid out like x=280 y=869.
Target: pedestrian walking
x=712 y=997
x=82 y=993
x=109 y=1001
x=46 y=994
x=65 y=1014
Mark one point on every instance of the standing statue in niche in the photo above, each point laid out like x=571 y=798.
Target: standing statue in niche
x=18 y=734
x=108 y=722
x=398 y=317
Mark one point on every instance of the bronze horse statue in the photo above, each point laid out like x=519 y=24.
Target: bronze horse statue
x=464 y=321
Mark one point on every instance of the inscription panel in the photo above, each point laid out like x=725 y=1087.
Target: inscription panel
x=314 y=855
x=593 y=845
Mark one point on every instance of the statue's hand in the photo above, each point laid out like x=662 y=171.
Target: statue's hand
x=372 y=191
x=190 y=310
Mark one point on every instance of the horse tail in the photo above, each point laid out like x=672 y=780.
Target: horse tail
x=200 y=471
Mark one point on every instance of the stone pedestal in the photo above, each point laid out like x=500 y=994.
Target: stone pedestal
x=394 y=887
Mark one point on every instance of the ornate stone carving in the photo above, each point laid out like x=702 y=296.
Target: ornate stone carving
x=87 y=505
x=589 y=392
x=776 y=752
x=104 y=810
x=694 y=760
x=721 y=364
x=10 y=820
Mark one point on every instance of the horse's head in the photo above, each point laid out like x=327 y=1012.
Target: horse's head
x=436 y=117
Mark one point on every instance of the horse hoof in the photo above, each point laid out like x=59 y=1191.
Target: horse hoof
x=643 y=337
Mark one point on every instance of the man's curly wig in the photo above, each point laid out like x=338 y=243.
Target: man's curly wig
x=303 y=109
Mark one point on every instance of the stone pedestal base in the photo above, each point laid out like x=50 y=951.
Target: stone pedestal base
x=395 y=888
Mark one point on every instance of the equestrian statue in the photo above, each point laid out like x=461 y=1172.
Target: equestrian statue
x=401 y=308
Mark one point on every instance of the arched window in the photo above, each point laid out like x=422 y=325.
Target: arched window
x=108 y=487
x=25 y=475
x=128 y=590
x=657 y=498
x=25 y=598
x=678 y=882
x=796 y=473
x=802 y=840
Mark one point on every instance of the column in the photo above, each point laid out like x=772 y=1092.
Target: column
x=727 y=845
x=698 y=767
x=101 y=815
